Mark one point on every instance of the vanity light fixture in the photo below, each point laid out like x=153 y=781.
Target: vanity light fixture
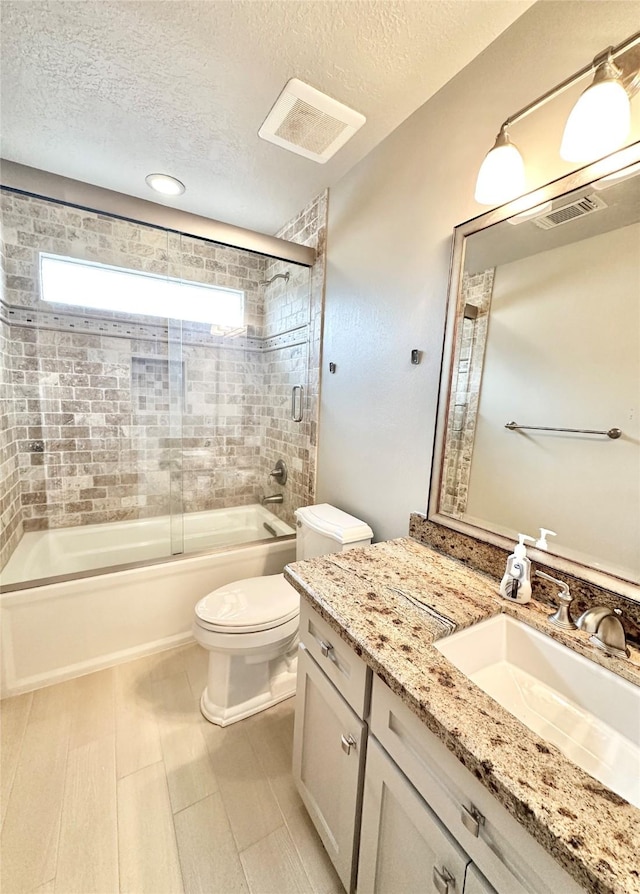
x=501 y=175
x=163 y=183
x=600 y=120
x=598 y=124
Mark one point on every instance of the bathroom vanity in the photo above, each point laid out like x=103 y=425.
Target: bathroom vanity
x=415 y=778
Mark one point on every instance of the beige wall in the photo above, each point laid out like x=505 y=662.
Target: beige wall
x=389 y=241
x=563 y=349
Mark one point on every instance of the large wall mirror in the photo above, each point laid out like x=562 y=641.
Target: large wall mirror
x=539 y=422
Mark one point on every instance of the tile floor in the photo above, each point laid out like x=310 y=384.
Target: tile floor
x=114 y=782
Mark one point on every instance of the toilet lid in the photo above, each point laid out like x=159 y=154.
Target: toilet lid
x=249 y=605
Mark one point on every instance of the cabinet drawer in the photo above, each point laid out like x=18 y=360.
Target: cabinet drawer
x=349 y=674
x=507 y=855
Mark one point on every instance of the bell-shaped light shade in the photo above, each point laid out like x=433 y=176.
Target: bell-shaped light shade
x=501 y=176
x=598 y=124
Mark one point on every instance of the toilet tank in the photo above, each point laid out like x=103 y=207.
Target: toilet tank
x=323 y=529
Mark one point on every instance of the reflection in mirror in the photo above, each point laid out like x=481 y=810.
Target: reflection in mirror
x=545 y=361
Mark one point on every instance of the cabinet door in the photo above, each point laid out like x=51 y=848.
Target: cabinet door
x=503 y=850
x=403 y=846
x=476 y=883
x=328 y=761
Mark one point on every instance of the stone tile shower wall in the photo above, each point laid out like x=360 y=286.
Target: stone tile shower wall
x=293 y=330
x=10 y=507
x=94 y=436
x=471 y=340
x=222 y=428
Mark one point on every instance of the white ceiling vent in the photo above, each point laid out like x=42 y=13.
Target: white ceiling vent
x=585 y=205
x=308 y=122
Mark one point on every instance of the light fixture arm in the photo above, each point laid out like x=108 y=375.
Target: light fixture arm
x=606 y=57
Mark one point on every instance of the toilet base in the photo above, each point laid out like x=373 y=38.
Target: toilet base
x=237 y=688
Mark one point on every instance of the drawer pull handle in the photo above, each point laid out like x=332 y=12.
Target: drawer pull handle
x=472 y=819
x=347 y=742
x=442 y=880
x=325 y=648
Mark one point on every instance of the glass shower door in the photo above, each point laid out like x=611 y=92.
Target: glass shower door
x=177 y=383
x=288 y=401
x=240 y=367
x=88 y=376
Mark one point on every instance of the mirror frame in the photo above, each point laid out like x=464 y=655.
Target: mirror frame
x=553 y=190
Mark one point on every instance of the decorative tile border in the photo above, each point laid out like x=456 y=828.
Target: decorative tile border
x=191 y=333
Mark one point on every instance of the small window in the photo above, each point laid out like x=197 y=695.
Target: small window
x=100 y=286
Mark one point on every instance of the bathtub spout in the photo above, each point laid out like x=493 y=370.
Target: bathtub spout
x=274 y=498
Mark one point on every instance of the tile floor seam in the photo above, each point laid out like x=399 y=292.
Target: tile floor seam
x=145 y=767
x=300 y=856
x=233 y=833
x=117 y=816
x=240 y=863
x=173 y=826
x=175 y=813
x=262 y=837
x=64 y=786
x=70 y=753
x=15 y=769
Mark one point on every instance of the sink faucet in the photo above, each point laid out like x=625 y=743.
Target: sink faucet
x=274 y=498
x=605 y=627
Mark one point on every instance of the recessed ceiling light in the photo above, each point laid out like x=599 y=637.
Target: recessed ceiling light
x=165 y=184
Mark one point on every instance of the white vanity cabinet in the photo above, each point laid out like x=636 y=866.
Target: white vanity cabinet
x=512 y=861
x=330 y=740
x=410 y=818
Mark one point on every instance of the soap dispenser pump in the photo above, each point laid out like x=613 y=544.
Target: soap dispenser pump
x=516 y=583
x=541 y=542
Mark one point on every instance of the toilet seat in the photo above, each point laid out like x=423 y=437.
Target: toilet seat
x=249 y=606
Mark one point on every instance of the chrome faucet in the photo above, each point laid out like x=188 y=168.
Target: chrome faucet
x=274 y=498
x=605 y=627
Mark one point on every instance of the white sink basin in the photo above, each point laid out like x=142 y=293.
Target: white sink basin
x=588 y=712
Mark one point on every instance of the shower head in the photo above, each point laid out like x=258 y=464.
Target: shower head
x=285 y=276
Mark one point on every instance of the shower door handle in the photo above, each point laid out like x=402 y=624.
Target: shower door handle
x=296 y=403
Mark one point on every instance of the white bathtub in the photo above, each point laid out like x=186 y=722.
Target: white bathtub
x=66 y=628
x=64 y=551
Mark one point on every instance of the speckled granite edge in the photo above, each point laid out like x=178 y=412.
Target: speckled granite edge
x=366 y=596
x=491 y=560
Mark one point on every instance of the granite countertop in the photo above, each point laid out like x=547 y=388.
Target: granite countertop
x=390 y=602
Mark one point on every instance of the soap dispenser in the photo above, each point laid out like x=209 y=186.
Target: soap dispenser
x=541 y=542
x=516 y=583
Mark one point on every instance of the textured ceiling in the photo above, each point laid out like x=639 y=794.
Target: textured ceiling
x=107 y=91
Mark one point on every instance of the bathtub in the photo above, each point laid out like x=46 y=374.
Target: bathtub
x=65 y=551
x=61 y=619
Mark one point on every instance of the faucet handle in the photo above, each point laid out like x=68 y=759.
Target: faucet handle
x=564 y=588
x=561 y=617
x=279 y=472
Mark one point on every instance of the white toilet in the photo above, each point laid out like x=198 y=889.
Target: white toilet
x=250 y=627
